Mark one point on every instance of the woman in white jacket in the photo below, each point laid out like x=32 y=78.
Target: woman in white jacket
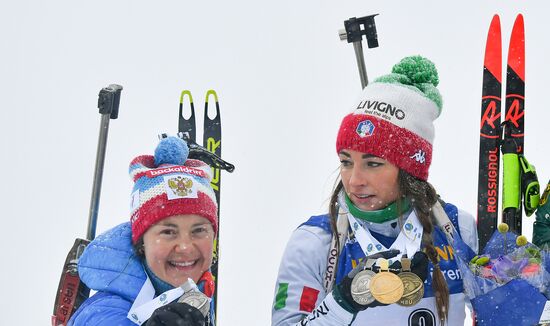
x=382 y=206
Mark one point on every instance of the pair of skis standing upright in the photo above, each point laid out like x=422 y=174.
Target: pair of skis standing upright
x=519 y=180
x=71 y=291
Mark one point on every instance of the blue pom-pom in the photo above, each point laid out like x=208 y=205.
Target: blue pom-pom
x=171 y=150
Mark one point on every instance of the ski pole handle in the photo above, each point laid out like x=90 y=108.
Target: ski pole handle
x=511 y=194
x=108 y=103
x=353 y=33
x=109 y=100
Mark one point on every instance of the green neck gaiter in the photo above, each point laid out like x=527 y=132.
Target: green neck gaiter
x=391 y=212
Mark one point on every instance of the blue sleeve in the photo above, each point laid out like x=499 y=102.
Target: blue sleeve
x=102 y=309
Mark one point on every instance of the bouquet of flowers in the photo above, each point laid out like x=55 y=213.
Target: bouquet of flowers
x=509 y=283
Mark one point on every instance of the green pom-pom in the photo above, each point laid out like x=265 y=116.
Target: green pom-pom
x=419 y=70
x=418 y=74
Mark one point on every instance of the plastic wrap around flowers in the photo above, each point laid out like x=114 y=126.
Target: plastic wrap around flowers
x=509 y=283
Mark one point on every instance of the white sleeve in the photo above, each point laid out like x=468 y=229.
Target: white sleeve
x=300 y=297
x=468 y=233
x=468 y=230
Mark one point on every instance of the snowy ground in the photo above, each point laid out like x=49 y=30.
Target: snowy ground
x=284 y=80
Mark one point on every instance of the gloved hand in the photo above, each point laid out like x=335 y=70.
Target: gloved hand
x=175 y=313
x=419 y=265
x=342 y=292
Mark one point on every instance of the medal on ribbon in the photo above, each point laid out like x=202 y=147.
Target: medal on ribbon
x=386 y=287
x=412 y=284
x=360 y=285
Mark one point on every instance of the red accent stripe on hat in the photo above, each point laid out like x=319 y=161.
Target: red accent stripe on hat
x=401 y=147
x=308 y=299
x=159 y=208
x=145 y=160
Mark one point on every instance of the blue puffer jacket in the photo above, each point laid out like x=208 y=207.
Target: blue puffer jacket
x=109 y=266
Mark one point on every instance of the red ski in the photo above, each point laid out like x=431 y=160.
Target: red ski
x=489 y=140
x=512 y=143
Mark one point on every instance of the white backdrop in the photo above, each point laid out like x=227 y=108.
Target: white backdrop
x=284 y=81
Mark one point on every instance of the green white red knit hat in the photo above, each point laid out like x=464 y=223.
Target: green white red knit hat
x=169 y=184
x=394 y=117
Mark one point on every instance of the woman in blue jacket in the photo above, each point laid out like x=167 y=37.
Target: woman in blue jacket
x=145 y=270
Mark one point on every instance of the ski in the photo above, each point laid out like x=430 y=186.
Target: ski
x=513 y=136
x=490 y=133
x=212 y=141
x=211 y=144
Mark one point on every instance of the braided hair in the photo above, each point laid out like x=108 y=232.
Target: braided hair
x=422 y=197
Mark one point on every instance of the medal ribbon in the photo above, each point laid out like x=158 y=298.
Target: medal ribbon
x=146 y=303
x=408 y=241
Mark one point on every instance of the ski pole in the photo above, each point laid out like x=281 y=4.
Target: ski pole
x=108 y=102
x=511 y=195
x=354 y=30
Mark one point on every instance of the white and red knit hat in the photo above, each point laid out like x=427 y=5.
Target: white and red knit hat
x=394 y=117
x=169 y=184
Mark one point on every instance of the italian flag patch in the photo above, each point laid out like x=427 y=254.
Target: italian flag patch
x=308 y=297
x=282 y=294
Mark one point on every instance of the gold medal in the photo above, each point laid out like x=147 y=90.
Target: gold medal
x=386 y=287
x=412 y=284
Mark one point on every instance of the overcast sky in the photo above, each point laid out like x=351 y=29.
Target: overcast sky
x=284 y=80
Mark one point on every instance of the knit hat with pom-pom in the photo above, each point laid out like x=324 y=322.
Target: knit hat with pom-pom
x=394 y=117
x=169 y=184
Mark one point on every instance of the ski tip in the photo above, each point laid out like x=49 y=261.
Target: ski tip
x=493 y=49
x=516 y=51
x=495 y=23
x=518 y=28
x=519 y=19
x=211 y=92
x=494 y=28
x=188 y=93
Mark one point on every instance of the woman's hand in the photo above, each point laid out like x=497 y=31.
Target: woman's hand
x=342 y=292
x=175 y=313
